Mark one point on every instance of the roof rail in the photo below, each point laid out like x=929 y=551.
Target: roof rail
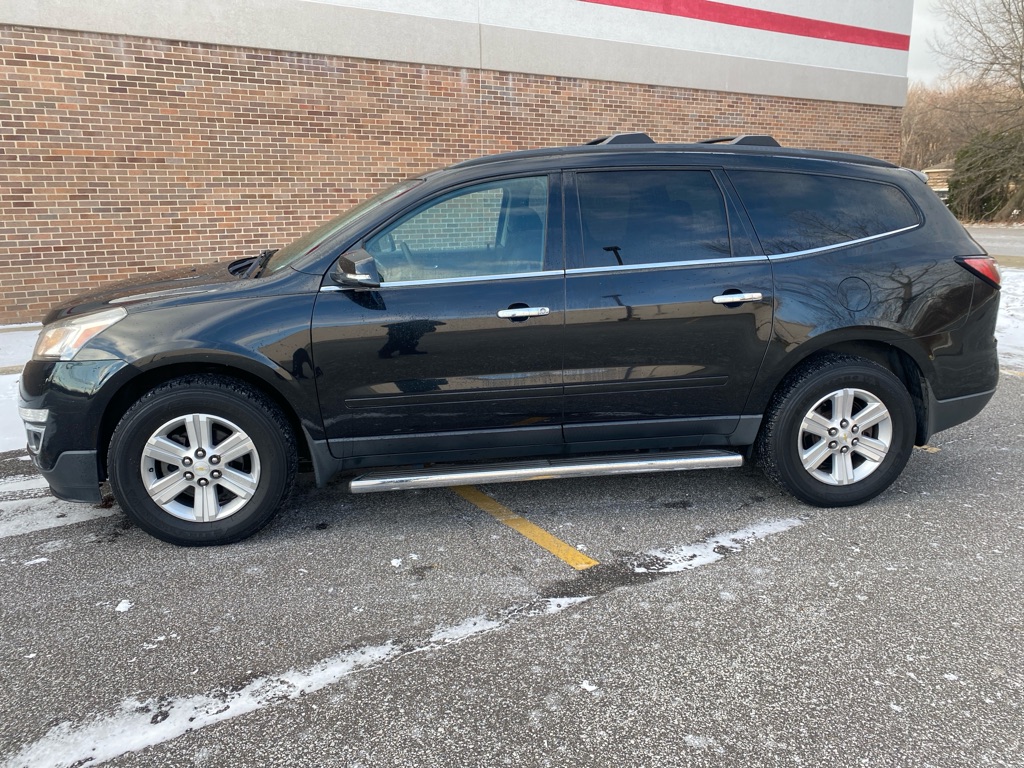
x=754 y=139
x=622 y=138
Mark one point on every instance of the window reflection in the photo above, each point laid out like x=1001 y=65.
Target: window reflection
x=649 y=217
x=798 y=212
x=498 y=228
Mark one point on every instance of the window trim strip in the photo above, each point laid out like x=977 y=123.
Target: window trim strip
x=844 y=244
x=664 y=265
x=447 y=280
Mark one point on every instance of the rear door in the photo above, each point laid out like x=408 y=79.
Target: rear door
x=461 y=346
x=655 y=348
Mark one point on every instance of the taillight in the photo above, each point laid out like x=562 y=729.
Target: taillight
x=984 y=267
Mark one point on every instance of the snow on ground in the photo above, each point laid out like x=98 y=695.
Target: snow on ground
x=1010 y=327
x=688 y=556
x=42 y=512
x=16 y=347
x=12 y=433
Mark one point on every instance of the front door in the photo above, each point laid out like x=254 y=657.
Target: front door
x=461 y=345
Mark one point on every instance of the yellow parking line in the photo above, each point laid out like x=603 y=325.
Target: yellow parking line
x=536 y=534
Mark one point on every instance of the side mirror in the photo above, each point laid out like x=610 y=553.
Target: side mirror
x=356 y=269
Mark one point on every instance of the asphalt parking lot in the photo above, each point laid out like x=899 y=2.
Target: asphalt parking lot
x=725 y=624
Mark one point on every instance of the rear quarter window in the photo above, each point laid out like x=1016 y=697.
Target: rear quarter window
x=794 y=212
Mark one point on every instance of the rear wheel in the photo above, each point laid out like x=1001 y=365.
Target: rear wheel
x=838 y=432
x=202 y=460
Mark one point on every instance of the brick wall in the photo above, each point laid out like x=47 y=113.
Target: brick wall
x=126 y=155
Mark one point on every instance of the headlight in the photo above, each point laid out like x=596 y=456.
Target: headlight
x=62 y=340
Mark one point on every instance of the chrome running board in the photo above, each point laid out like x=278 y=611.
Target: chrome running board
x=442 y=476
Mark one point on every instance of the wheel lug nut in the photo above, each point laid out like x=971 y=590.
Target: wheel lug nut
x=215 y=459
x=844 y=449
x=844 y=423
x=855 y=429
x=189 y=476
x=215 y=474
x=854 y=441
x=203 y=482
x=187 y=461
x=833 y=432
x=832 y=444
x=200 y=453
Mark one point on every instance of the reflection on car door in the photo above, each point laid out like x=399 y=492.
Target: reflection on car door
x=650 y=351
x=460 y=347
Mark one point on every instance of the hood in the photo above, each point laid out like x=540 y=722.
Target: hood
x=204 y=278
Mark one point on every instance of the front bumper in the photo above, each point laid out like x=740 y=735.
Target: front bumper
x=62 y=405
x=75 y=477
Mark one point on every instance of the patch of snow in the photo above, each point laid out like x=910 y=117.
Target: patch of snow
x=558 y=604
x=951 y=677
x=39 y=514
x=37 y=561
x=397 y=562
x=22 y=483
x=1010 y=323
x=698 y=742
x=124 y=606
x=588 y=686
x=711 y=550
x=467 y=628
x=138 y=724
x=16 y=346
x=12 y=431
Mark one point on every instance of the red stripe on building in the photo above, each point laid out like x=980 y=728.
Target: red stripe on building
x=770 y=21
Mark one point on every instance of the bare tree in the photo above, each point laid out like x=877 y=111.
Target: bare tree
x=984 y=42
x=939 y=121
x=984 y=49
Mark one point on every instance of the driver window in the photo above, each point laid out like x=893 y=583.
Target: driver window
x=497 y=228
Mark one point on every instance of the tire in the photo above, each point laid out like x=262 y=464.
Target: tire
x=167 y=474
x=838 y=432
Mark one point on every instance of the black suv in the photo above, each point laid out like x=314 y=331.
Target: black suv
x=623 y=306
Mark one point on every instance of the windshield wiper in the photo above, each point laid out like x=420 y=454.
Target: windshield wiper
x=261 y=262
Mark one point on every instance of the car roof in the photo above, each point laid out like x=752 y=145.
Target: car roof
x=641 y=144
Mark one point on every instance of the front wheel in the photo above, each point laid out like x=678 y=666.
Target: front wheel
x=838 y=432
x=202 y=460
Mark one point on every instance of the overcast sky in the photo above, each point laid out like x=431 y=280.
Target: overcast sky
x=925 y=64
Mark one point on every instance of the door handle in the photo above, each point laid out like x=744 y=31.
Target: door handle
x=737 y=298
x=521 y=313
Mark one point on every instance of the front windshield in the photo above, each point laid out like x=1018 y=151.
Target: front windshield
x=323 y=234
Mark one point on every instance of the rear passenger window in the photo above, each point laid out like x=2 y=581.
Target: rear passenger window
x=650 y=217
x=798 y=212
